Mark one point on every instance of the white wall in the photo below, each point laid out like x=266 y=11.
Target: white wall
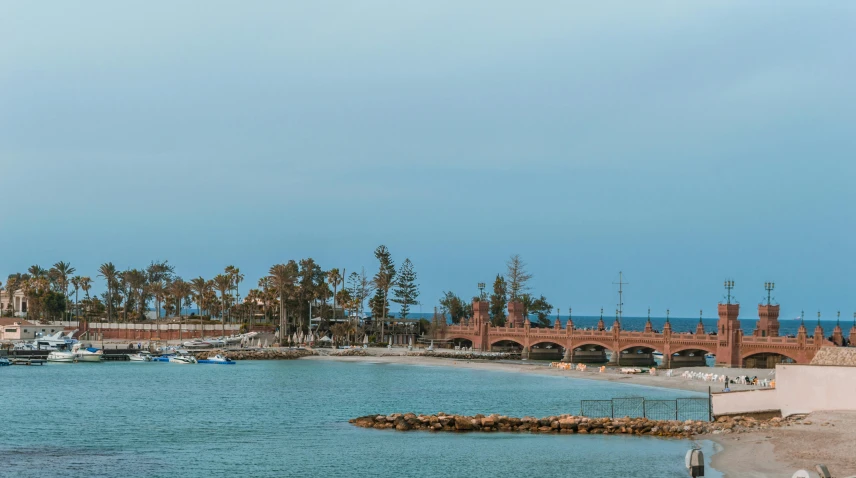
x=806 y=388
x=745 y=401
x=799 y=389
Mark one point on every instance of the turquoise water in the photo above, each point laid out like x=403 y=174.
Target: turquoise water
x=289 y=418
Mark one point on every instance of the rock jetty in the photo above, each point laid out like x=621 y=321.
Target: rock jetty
x=566 y=424
x=257 y=354
x=352 y=353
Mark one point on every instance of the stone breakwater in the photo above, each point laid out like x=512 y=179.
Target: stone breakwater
x=352 y=353
x=566 y=424
x=257 y=354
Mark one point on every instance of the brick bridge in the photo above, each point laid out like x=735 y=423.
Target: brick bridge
x=764 y=348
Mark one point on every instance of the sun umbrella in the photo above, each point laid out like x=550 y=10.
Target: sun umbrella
x=366 y=339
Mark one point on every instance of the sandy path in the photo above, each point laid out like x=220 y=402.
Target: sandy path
x=781 y=451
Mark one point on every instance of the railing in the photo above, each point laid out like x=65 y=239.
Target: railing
x=638 y=407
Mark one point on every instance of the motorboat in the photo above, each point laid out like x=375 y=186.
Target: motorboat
x=161 y=358
x=4 y=362
x=217 y=359
x=62 y=356
x=141 y=356
x=197 y=344
x=56 y=341
x=184 y=359
x=87 y=354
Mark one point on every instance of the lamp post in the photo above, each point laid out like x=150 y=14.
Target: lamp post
x=769 y=286
x=729 y=284
x=481 y=290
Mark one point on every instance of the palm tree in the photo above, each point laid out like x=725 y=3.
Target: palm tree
x=75 y=282
x=85 y=285
x=158 y=290
x=334 y=279
x=12 y=286
x=223 y=284
x=37 y=272
x=179 y=290
x=282 y=276
x=108 y=272
x=199 y=286
x=137 y=280
x=62 y=271
x=235 y=274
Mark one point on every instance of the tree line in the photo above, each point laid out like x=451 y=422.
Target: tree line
x=513 y=286
x=285 y=296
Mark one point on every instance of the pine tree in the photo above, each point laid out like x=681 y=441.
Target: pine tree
x=497 y=301
x=406 y=291
x=517 y=276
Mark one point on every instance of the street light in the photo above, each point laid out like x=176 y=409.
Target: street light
x=729 y=284
x=769 y=286
x=481 y=290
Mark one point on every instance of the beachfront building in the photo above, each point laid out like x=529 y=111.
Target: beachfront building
x=18 y=300
x=17 y=329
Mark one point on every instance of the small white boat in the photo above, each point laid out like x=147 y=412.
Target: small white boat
x=4 y=362
x=217 y=359
x=185 y=359
x=141 y=356
x=61 y=356
x=197 y=344
x=88 y=354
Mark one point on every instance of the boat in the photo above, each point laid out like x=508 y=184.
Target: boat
x=184 y=359
x=4 y=362
x=657 y=354
x=710 y=356
x=87 y=354
x=197 y=344
x=141 y=356
x=217 y=359
x=62 y=356
x=56 y=341
x=161 y=358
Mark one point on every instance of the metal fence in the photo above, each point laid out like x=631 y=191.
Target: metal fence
x=636 y=407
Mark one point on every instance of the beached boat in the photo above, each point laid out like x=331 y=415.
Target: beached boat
x=141 y=356
x=197 y=344
x=87 y=354
x=217 y=359
x=61 y=356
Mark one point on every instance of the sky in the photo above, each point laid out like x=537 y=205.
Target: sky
x=683 y=143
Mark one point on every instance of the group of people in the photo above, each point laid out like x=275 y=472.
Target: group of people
x=724 y=379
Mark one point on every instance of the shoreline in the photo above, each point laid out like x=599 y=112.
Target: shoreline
x=823 y=437
x=542 y=368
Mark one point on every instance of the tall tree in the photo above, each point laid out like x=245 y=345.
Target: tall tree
x=455 y=306
x=199 y=286
x=282 y=276
x=62 y=271
x=517 y=276
x=498 y=300
x=223 y=283
x=157 y=289
x=75 y=283
x=406 y=292
x=383 y=280
x=109 y=273
x=334 y=278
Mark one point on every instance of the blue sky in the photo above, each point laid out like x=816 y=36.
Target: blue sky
x=681 y=142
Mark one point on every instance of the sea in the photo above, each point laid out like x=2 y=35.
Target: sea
x=290 y=418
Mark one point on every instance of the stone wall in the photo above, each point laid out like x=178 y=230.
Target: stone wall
x=844 y=356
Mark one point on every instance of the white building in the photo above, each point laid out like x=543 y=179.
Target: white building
x=20 y=302
x=17 y=329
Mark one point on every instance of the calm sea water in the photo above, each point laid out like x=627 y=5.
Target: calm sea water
x=289 y=418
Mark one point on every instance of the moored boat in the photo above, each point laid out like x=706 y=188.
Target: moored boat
x=217 y=359
x=87 y=354
x=141 y=356
x=61 y=356
x=183 y=359
x=4 y=362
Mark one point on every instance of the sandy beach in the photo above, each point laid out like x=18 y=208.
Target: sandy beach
x=542 y=368
x=823 y=437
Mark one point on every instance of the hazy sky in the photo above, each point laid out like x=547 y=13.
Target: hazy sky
x=681 y=142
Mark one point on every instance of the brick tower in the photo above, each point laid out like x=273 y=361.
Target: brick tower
x=768 y=315
x=515 y=314
x=481 y=321
x=729 y=333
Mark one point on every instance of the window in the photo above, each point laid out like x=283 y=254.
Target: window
x=11 y=331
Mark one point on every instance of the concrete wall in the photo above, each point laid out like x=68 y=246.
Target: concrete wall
x=745 y=401
x=799 y=389
x=806 y=388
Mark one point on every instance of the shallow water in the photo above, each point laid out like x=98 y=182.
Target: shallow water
x=289 y=418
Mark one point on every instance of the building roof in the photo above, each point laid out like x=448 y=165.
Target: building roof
x=4 y=321
x=845 y=356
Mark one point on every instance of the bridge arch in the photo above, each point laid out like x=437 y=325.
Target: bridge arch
x=768 y=357
x=461 y=341
x=506 y=344
x=589 y=343
x=653 y=347
x=710 y=349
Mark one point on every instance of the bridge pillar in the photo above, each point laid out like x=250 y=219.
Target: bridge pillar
x=515 y=314
x=524 y=354
x=730 y=336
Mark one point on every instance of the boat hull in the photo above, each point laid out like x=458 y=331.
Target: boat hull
x=217 y=362
x=89 y=358
x=61 y=358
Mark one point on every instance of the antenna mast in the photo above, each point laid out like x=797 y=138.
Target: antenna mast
x=621 y=285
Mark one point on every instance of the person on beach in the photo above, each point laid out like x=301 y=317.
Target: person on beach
x=726 y=389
